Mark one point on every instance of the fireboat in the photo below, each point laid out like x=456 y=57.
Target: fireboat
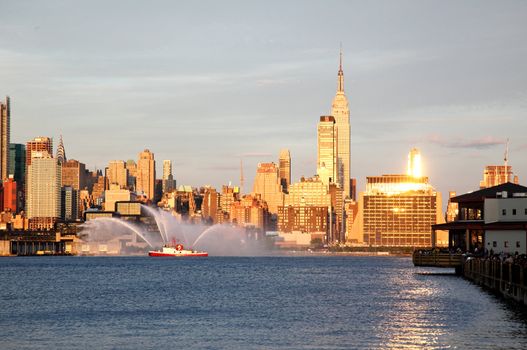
x=176 y=251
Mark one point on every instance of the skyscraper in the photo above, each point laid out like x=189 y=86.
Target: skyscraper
x=398 y=210
x=117 y=173
x=146 y=173
x=341 y=112
x=327 y=155
x=61 y=152
x=74 y=174
x=43 y=187
x=38 y=144
x=168 y=178
x=267 y=184
x=5 y=125
x=17 y=162
x=284 y=166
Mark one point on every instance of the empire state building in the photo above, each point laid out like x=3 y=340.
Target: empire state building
x=341 y=112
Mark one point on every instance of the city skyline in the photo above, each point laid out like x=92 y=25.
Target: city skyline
x=252 y=88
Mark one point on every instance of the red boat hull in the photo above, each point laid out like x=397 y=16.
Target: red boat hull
x=178 y=255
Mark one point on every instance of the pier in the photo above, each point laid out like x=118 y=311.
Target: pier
x=507 y=279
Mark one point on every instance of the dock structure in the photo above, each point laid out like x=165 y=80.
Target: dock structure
x=506 y=279
x=26 y=243
x=437 y=258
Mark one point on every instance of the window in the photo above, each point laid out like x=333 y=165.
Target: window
x=513 y=211
x=503 y=211
x=494 y=244
x=525 y=211
x=517 y=244
x=506 y=244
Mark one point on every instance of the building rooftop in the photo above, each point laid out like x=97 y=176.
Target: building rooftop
x=490 y=192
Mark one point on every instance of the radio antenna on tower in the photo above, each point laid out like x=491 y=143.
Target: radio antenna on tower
x=506 y=159
x=241 y=176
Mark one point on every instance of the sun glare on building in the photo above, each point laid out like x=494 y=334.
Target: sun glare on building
x=414 y=163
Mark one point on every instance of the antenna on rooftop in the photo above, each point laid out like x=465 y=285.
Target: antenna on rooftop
x=242 y=179
x=506 y=159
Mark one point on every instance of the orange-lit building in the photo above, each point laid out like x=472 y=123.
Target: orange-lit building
x=9 y=195
x=494 y=175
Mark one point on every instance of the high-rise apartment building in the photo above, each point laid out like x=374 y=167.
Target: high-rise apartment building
x=44 y=177
x=327 y=150
x=168 y=178
x=38 y=144
x=267 y=184
x=117 y=174
x=494 y=175
x=146 y=174
x=284 y=166
x=341 y=112
x=5 y=135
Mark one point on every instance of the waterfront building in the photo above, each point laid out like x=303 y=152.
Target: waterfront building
x=267 y=184
x=492 y=219
x=116 y=194
x=341 y=112
x=38 y=145
x=398 y=210
x=168 y=178
x=327 y=150
x=44 y=178
x=284 y=166
x=494 y=175
x=117 y=174
x=69 y=203
x=303 y=218
x=5 y=137
x=146 y=174
x=61 y=152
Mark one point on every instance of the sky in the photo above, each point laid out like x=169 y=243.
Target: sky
x=208 y=83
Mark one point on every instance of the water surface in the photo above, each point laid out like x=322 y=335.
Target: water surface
x=246 y=303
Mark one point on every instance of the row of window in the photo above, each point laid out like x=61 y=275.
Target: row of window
x=504 y=211
x=505 y=244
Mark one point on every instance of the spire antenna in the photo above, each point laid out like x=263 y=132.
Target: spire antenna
x=340 y=64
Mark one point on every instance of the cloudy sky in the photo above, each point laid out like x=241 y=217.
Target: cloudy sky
x=206 y=83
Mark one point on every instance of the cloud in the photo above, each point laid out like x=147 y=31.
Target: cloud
x=460 y=142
